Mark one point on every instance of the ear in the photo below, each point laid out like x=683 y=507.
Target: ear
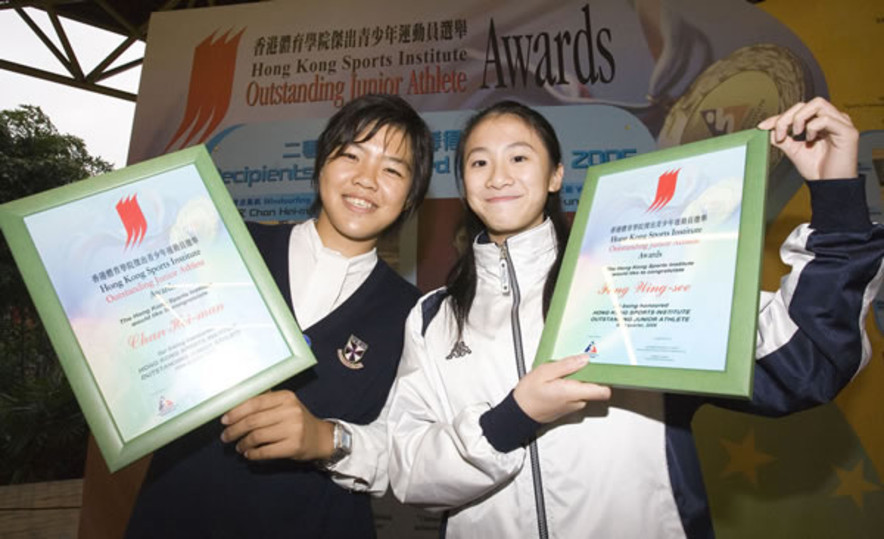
x=555 y=181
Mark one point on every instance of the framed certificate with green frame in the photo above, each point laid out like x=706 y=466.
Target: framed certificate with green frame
x=660 y=279
x=155 y=298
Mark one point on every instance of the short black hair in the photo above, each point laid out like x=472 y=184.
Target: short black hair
x=365 y=116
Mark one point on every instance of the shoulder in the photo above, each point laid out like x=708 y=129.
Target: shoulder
x=269 y=236
x=427 y=309
x=394 y=285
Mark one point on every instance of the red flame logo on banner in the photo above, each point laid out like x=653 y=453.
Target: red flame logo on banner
x=665 y=189
x=211 y=83
x=133 y=220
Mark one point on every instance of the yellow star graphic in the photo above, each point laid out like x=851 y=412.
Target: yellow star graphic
x=853 y=483
x=744 y=458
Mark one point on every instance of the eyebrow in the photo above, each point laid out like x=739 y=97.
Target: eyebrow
x=395 y=159
x=517 y=144
x=387 y=156
x=403 y=162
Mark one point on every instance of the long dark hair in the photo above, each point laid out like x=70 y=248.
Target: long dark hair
x=461 y=282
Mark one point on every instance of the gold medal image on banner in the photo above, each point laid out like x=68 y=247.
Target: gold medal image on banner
x=735 y=93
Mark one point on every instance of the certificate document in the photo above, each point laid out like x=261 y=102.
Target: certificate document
x=164 y=304
x=649 y=276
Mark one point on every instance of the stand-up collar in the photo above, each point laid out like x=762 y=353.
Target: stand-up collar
x=532 y=252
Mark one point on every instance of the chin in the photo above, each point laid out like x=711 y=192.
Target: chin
x=361 y=234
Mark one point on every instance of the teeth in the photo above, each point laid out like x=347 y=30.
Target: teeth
x=359 y=203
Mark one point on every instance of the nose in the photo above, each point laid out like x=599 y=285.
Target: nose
x=498 y=177
x=367 y=176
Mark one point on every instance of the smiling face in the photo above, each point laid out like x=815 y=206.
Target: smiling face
x=363 y=187
x=507 y=175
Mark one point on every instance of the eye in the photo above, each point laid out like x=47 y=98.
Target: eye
x=478 y=163
x=348 y=153
x=394 y=172
x=520 y=158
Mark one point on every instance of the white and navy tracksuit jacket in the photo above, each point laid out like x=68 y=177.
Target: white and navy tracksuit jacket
x=626 y=468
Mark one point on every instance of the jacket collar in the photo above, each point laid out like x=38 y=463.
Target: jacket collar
x=532 y=253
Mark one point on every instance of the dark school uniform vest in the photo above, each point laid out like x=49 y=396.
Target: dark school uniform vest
x=200 y=487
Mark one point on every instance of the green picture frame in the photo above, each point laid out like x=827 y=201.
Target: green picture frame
x=168 y=356
x=663 y=277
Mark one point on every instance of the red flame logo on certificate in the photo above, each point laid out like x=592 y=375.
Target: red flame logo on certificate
x=133 y=220
x=665 y=189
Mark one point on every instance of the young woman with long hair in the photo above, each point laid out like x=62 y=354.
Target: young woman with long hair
x=507 y=451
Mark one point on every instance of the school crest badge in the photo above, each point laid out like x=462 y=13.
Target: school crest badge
x=353 y=352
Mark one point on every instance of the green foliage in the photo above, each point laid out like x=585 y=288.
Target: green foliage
x=42 y=432
x=35 y=157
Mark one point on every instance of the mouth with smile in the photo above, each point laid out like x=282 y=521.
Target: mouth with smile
x=359 y=203
x=502 y=198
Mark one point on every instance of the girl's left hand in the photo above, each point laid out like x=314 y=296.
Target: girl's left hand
x=830 y=145
x=275 y=425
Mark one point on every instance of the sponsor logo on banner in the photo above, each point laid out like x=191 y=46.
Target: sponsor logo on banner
x=208 y=95
x=665 y=190
x=133 y=220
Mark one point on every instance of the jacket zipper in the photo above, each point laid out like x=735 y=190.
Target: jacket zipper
x=513 y=286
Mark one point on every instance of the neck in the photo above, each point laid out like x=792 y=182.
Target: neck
x=500 y=237
x=334 y=240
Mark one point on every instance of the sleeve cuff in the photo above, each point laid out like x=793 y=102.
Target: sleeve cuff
x=506 y=426
x=839 y=205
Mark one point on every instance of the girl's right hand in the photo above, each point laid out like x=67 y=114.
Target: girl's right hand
x=545 y=395
x=275 y=425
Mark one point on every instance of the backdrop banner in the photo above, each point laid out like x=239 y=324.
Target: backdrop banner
x=621 y=78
